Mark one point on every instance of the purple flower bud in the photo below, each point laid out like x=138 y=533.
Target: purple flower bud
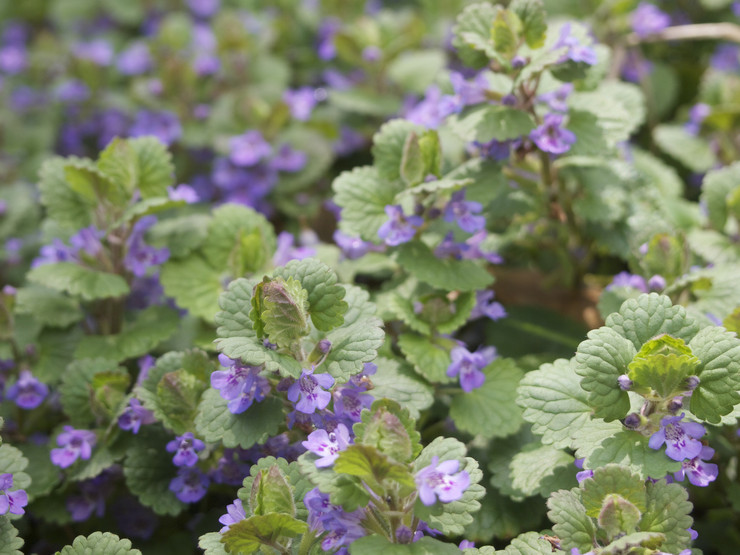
x=692 y=382
x=164 y=125
x=204 y=8
x=404 y=534
x=9 y=291
x=675 y=405
x=725 y=58
x=441 y=480
x=518 y=62
x=632 y=421
x=140 y=256
x=13 y=59
x=185 y=448
x=509 y=100
x=625 y=279
x=656 y=283
x=625 y=384
x=324 y=346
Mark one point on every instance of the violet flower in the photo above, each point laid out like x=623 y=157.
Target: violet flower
x=399 y=228
x=463 y=213
x=469 y=365
x=286 y=252
x=248 y=149
x=697 y=114
x=584 y=473
x=352 y=247
x=469 y=92
x=576 y=52
x=183 y=192
x=28 y=392
x=433 y=109
x=11 y=501
x=185 y=448
x=648 y=19
x=135 y=60
x=234 y=513
x=73 y=444
x=164 y=125
x=441 y=480
x=349 y=402
x=699 y=472
x=725 y=58
x=327 y=445
x=625 y=279
x=301 y=102
x=134 y=415
x=91 y=498
x=190 y=485
x=98 y=51
x=140 y=256
x=551 y=136
x=204 y=8
x=679 y=437
x=486 y=306
x=288 y=159
x=13 y=59
x=311 y=388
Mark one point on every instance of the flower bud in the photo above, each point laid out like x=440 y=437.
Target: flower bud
x=692 y=382
x=632 y=421
x=625 y=384
x=675 y=404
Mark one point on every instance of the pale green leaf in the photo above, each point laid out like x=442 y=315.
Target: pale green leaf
x=99 y=543
x=531 y=466
x=571 y=525
x=79 y=281
x=452 y=275
x=47 y=306
x=668 y=511
x=429 y=356
x=715 y=192
x=10 y=543
x=692 y=151
x=397 y=383
x=388 y=145
x=488 y=122
x=156 y=171
x=194 y=285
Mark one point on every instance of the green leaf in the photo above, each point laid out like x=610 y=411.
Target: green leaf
x=299 y=484
x=194 y=285
x=692 y=151
x=13 y=462
x=571 y=525
x=55 y=350
x=415 y=70
x=715 y=192
x=10 y=543
x=371 y=545
x=388 y=426
x=211 y=544
x=374 y=469
x=343 y=489
x=472 y=34
x=215 y=423
x=456 y=514
x=148 y=470
x=438 y=313
x=79 y=281
x=151 y=326
x=120 y=164
x=430 y=356
x=554 y=402
x=532 y=465
x=47 y=306
x=668 y=512
x=612 y=479
x=156 y=171
x=662 y=365
x=505 y=31
x=324 y=295
x=530 y=543
x=618 y=516
x=532 y=15
x=388 y=147
x=247 y=536
x=44 y=474
x=76 y=392
x=181 y=234
x=600 y=360
x=619 y=108
x=370 y=103
x=66 y=207
x=397 y=383
x=638 y=539
x=86 y=180
x=363 y=195
x=719 y=373
x=490 y=410
x=281 y=311
x=489 y=122
x=99 y=542
x=452 y=275
x=271 y=493
x=412 y=164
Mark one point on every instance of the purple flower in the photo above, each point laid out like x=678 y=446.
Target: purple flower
x=98 y=51
x=327 y=445
x=583 y=474
x=625 y=279
x=325 y=48
x=557 y=100
x=87 y=240
x=466 y=544
x=463 y=213
x=287 y=159
x=73 y=444
x=183 y=192
x=697 y=115
x=486 y=306
x=72 y=91
x=28 y=392
x=234 y=513
x=469 y=92
x=164 y=125
x=248 y=149
x=343 y=527
x=576 y=51
x=134 y=415
x=656 y=283
x=349 y=403
x=135 y=60
x=140 y=256
x=134 y=519
x=725 y=58
x=399 y=228
x=699 y=472
x=13 y=59
x=204 y=8
x=190 y=485
x=57 y=251
x=91 y=498
x=679 y=438
x=11 y=501
x=551 y=136
x=472 y=249
x=301 y=102
x=352 y=247
x=309 y=388
x=433 y=109
x=469 y=365
x=441 y=480
x=647 y=19
x=185 y=448
x=286 y=252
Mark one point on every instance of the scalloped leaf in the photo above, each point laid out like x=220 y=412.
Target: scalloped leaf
x=281 y=311
x=371 y=545
x=13 y=462
x=99 y=542
x=398 y=383
x=76 y=391
x=249 y=535
x=66 y=207
x=536 y=463
x=488 y=122
x=490 y=410
x=81 y=282
x=47 y=306
x=388 y=427
x=662 y=365
x=10 y=543
x=388 y=147
x=571 y=525
x=716 y=188
x=529 y=543
x=291 y=471
x=156 y=171
x=554 y=402
x=430 y=356
x=668 y=511
x=612 y=479
x=194 y=285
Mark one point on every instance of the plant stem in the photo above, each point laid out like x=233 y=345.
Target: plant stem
x=698 y=31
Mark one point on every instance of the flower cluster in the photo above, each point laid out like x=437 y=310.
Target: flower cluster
x=239 y=384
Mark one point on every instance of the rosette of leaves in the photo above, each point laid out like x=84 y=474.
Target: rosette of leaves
x=615 y=512
x=283 y=321
x=376 y=473
x=662 y=350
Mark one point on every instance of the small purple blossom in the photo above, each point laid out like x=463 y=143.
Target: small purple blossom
x=13 y=59
x=697 y=114
x=441 y=480
x=183 y=192
x=134 y=415
x=135 y=60
x=551 y=136
x=349 y=403
x=204 y=8
x=325 y=48
x=327 y=445
x=699 y=472
x=399 y=228
x=311 y=388
x=72 y=91
x=463 y=213
x=234 y=513
x=286 y=252
x=469 y=365
x=486 y=306
x=185 y=448
x=28 y=392
x=557 y=100
x=164 y=125
x=725 y=57
x=469 y=92
x=98 y=51
x=73 y=444
x=680 y=438
x=288 y=159
x=433 y=109
x=11 y=501
x=625 y=279
x=353 y=247
x=140 y=256
x=343 y=527
x=625 y=383
x=190 y=485
x=248 y=149
x=90 y=499
x=647 y=19
x=576 y=52
x=301 y=102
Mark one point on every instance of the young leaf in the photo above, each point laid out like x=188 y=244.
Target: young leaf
x=156 y=171
x=472 y=33
x=389 y=144
x=612 y=479
x=271 y=493
x=211 y=544
x=99 y=542
x=120 y=164
x=345 y=490
x=618 y=516
x=388 y=426
x=247 y=536
x=69 y=209
x=412 y=164
x=486 y=123
x=374 y=468
x=281 y=311
x=300 y=484
x=662 y=365
x=571 y=525
x=532 y=15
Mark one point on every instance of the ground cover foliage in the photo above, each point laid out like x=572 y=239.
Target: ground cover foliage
x=355 y=277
